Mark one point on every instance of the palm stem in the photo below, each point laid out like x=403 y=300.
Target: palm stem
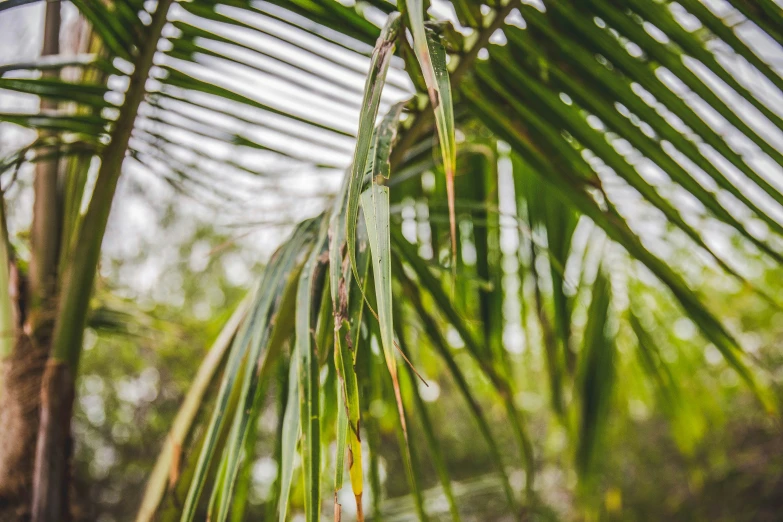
x=50 y=474
x=79 y=274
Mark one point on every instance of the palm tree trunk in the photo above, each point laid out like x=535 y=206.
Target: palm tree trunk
x=33 y=306
x=19 y=413
x=53 y=451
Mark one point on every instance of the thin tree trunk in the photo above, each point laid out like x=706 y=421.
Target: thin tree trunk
x=53 y=451
x=45 y=234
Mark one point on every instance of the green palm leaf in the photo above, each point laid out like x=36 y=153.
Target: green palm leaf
x=606 y=112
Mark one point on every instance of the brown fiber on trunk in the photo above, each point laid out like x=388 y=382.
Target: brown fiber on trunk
x=20 y=396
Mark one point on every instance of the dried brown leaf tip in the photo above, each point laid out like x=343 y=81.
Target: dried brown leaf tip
x=338 y=509
x=359 y=509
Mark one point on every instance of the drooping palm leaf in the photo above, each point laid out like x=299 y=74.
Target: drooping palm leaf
x=609 y=108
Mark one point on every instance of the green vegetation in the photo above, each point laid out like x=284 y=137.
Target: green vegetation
x=547 y=288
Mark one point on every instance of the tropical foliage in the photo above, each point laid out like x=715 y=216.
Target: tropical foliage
x=525 y=195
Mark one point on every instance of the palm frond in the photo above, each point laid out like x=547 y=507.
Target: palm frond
x=617 y=114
